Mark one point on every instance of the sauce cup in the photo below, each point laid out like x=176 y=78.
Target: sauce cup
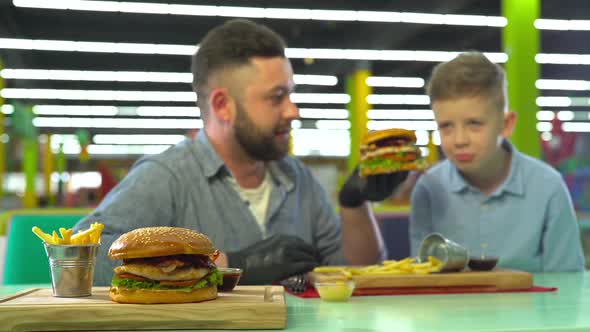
x=335 y=290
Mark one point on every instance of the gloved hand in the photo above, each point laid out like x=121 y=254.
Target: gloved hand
x=356 y=190
x=274 y=259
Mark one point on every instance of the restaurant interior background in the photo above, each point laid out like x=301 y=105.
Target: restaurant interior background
x=87 y=87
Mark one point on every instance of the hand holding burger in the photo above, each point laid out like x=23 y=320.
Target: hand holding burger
x=164 y=265
x=390 y=151
x=386 y=158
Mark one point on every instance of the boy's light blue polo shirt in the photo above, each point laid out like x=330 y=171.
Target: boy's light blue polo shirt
x=529 y=221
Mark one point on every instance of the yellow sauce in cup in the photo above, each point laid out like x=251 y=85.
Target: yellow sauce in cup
x=335 y=291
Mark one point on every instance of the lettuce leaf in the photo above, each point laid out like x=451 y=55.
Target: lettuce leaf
x=378 y=162
x=381 y=162
x=213 y=278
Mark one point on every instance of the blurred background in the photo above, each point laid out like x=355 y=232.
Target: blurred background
x=87 y=87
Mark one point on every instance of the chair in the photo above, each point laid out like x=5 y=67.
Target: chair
x=26 y=261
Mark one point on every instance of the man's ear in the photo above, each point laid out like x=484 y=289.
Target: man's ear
x=221 y=104
x=509 y=124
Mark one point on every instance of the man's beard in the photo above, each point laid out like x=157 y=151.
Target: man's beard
x=258 y=144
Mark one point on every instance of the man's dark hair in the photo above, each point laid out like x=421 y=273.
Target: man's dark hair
x=231 y=45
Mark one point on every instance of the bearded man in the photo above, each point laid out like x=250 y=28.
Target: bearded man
x=236 y=183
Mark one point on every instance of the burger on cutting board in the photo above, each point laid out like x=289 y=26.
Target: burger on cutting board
x=164 y=265
x=389 y=151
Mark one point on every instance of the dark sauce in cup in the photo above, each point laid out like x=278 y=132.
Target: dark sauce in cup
x=231 y=277
x=486 y=263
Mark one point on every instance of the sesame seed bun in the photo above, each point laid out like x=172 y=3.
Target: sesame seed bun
x=376 y=135
x=160 y=241
x=148 y=296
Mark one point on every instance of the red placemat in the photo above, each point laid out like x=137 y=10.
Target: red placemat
x=311 y=292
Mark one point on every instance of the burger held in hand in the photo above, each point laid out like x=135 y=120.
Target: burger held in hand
x=164 y=265
x=389 y=151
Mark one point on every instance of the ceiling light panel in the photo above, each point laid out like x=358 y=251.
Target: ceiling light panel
x=261 y=12
x=134 y=76
x=294 y=53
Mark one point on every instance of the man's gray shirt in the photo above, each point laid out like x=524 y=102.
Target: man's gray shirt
x=187 y=186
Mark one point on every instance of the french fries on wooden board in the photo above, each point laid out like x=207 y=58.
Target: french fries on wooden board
x=390 y=267
x=89 y=236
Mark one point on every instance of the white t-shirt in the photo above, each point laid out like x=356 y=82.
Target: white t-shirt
x=256 y=198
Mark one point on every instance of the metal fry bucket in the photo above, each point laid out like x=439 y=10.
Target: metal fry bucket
x=72 y=268
x=453 y=256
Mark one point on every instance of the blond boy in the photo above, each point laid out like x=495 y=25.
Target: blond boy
x=487 y=195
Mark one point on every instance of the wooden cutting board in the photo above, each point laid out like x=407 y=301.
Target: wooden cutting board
x=496 y=279
x=247 y=307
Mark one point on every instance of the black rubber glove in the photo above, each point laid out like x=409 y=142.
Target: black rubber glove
x=356 y=190
x=274 y=259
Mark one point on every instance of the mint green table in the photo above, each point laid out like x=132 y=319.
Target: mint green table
x=567 y=309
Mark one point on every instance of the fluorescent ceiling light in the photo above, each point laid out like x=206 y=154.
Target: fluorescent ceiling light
x=565 y=115
x=57 y=139
x=549 y=24
x=7 y=109
x=398 y=99
x=544 y=126
x=381 y=55
x=410 y=125
x=400 y=82
x=168 y=111
x=326 y=80
x=576 y=126
x=323 y=113
x=400 y=114
x=134 y=76
x=91 y=75
x=295 y=53
x=545 y=115
x=98 y=47
x=333 y=124
x=547 y=84
x=423 y=137
x=563 y=59
x=546 y=136
x=317 y=142
x=554 y=101
x=93 y=110
x=171 y=96
x=563 y=101
x=320 y=98
x=138 y=139
x=261 y=12
x=65 y=122
x=95 y=149
x=75 y=110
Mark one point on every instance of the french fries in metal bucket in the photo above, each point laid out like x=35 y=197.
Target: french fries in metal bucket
x=72 y=258
x=89 y=236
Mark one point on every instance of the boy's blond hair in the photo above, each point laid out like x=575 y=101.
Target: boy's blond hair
x=470 y=74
